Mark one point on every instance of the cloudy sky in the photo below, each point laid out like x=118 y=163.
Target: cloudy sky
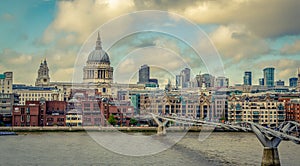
x=246 y=35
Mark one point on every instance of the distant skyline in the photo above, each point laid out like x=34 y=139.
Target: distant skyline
x=249 y=35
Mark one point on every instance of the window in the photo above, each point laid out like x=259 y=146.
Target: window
x=60 y=119
x=22 y=110
x=28 y=118
x=49 y=119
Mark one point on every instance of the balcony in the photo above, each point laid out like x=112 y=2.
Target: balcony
x=255 y=113
x=238 y=117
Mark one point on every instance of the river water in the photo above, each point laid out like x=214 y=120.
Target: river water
x=79 y=148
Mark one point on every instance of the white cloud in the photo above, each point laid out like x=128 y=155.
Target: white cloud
x=237 y=44
x=82 y=17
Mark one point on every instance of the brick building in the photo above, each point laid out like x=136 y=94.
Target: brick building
x=292 y=108
x=40 y=113
x=26 y=115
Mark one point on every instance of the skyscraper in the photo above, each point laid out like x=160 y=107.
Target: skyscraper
x=261 y=81
x=293 y=82
x=184 y=78
x=208 y=80
x=186 y=73
x=144 y=74
x=178 y=81
x=222 y=82
x=269 y=76
x=248 y=78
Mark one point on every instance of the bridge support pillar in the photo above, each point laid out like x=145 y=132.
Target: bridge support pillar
x=270 y=143
x=161 y=129
x=270 y=157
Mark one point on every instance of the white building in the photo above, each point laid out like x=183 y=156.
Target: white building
x=6 y=82
x=31 y=93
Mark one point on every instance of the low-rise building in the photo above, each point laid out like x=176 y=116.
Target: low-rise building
x=26 y=115
x=74 y=118
x=292 y=108
x=39 y=113
x=6 y=82
x=265 y=110
x=32 y=93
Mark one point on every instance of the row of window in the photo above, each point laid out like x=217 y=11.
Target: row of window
x=35 y=94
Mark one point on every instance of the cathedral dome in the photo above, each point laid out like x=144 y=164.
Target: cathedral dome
x=98 y=55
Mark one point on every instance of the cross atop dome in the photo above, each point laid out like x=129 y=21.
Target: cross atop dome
x=98 y=43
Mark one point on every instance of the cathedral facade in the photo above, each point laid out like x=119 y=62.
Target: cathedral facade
x=98 y=69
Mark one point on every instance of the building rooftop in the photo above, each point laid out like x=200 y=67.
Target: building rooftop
x=26 y=87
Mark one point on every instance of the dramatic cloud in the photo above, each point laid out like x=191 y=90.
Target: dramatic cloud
x=237 y=44
x=242 y=31
x=82 y=17
x=263 y=18
x=284 y=68
x=25 y=66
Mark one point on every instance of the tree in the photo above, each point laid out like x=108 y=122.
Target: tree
x=222 y=119
x=111 y=120
x=133 y=121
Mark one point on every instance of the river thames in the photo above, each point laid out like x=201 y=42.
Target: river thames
x=79 y=148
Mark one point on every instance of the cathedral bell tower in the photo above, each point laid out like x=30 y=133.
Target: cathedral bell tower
x=43 y=78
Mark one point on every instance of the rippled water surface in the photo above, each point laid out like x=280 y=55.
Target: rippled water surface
x=78 y=148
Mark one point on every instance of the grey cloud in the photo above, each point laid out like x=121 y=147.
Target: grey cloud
x=291 y=49
x=164 y=4
x=265 y=18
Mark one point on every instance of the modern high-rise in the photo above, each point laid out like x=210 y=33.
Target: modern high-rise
x=186 y=73
x=183 y=80
x=261 y=81
x=144 y=74
x=269 y=76
x=293 y=82
x=6 y=81
x=248 y=78
x=222 y=82
x=178 y=81
x=208 y=80
x=279 y=83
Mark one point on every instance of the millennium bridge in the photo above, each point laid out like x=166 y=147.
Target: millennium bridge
x=269 y=138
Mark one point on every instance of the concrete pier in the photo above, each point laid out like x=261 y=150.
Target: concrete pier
x=161 y=129
x=270 y=157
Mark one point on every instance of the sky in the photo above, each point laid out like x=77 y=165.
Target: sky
x=245 y=35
